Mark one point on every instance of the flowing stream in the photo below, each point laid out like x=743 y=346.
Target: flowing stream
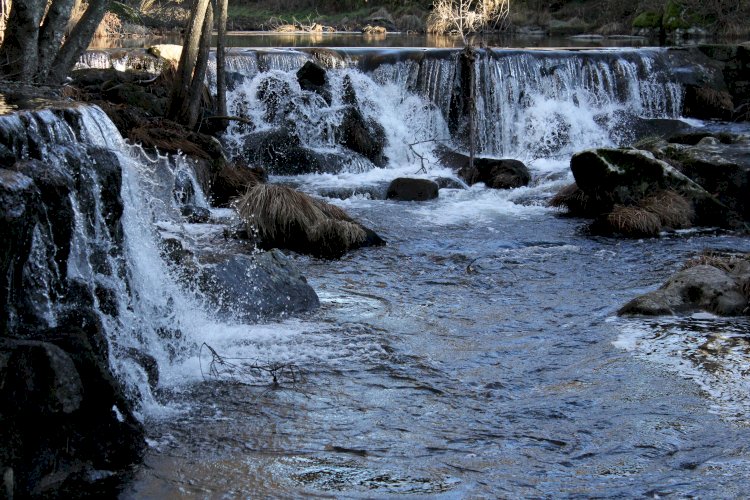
x=478 y=354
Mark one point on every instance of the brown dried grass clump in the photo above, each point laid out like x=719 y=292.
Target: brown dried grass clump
x=572 y=198
x=285 y=217
x=672 y=209
x=568 y=193
x=726 y=261
x=633 y=221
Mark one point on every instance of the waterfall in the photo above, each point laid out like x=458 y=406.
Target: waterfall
x=529 y=104
x=94 y=246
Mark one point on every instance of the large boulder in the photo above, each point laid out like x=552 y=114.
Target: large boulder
x=257 y=286
x=721 y=165
x=719 y=286
x=63 y=417
x=610 y=177
x=412 y=189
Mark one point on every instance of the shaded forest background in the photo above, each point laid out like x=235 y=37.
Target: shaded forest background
x=729 y=18
x=606 y=17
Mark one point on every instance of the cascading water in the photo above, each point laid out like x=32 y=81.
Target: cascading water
x=530 y=105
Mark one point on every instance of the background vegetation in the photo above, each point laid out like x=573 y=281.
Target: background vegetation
x=557 y=17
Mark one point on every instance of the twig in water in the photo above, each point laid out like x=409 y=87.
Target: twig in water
x=221 y=366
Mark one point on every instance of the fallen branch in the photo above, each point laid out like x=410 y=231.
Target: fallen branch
x=223 y=367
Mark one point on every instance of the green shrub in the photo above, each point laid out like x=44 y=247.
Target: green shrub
x=674 y=16
x=648 y=19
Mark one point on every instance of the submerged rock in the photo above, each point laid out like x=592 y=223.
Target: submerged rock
x=412 y=189
x=362 y=135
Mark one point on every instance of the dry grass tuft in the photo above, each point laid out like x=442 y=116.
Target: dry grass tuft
x=295 y=220
x=275 y=210
x=633 y=221
x=564 y=197
x=726 y=261
x=672 y=209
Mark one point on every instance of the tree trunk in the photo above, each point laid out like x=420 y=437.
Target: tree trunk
x=199 y=75
x=18 y=53
x=51 y=33
x=221 y=78
x=186 y=67
x=78 y=41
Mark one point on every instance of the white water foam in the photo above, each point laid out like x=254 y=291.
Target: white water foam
x=708 y=350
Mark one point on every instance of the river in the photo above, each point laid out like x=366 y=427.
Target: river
x=478 y=354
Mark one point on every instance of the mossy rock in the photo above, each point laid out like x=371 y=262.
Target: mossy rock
x=648 y=19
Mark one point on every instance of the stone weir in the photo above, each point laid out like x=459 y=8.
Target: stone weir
x=527 y=103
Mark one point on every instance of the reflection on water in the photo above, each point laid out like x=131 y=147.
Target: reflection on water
x=269 y=39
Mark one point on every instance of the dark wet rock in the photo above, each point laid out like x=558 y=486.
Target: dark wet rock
x=493 y=172
x=719 y=290
x=40 y=376
x=7 y=157
x=609 y=177
x=233 y=179
x=721 y=165
x=147 y=362
x=311 y=74
x=62 y=412
x=362 y=135
x=312 y=77
x=638 y=128
x=183 y=190
x=281 y=153
x=275 y=94
x=707 y=103
x=735 y=67
x=108 y=171
x=412 y=189
x=18 y=213
x=257 y=286
x=693 y=138
x=195 y=214
x=497 y=174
